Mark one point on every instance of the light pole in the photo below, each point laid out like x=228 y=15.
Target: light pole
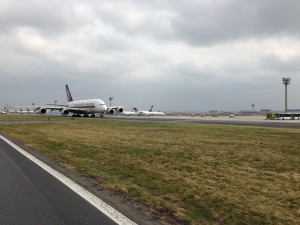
x=286 y=81
x=110 y=99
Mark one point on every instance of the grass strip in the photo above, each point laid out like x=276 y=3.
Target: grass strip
x=201 y=174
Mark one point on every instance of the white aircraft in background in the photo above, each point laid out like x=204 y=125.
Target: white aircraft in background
x=129 y=113
x=80 y=107
x=14 y=109
x=29 y=111
x=2 y=112
x=156 y=113
x=149 y=113
x=20 y=111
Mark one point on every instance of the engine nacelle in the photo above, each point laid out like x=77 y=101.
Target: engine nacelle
x=65 y=112
x=42 y=111
x=113 y=110
x=110 y=111
x=120 y=110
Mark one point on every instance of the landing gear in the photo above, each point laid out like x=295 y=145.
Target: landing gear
x=84 y=115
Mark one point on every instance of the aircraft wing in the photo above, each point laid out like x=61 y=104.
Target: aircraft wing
x=51 y=108
x=78 y=110
x=54 y=105
x=44 y=109
x=64 y=110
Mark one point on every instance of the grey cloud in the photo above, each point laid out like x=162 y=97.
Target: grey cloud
x=51 y=18
x=194 y=22
x=137 y=18
x=274 y=63
x=202 y=24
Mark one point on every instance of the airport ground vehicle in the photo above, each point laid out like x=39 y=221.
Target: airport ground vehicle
x=286 y=116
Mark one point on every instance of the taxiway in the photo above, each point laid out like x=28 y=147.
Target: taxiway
x=254 y=121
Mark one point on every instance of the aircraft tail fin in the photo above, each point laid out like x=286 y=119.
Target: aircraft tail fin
x=150 y=110
x=69 y=96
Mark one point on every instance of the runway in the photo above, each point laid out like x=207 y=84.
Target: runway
x=253 y=121
x=30 y=195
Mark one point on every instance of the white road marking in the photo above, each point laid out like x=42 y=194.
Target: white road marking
x=109 y=211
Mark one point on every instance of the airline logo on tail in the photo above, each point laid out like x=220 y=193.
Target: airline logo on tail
x=69 y=96
x=136 y=110
x=150 y=110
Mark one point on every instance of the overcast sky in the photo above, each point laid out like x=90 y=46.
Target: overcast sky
x=183 y=55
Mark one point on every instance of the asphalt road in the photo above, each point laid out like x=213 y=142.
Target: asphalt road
x=30 y=195
x=238 y=121
x=253 y=121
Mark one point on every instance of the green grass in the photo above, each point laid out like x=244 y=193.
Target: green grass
x=204 y=174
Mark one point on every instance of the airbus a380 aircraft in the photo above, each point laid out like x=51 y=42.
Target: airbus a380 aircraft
x=79 y=107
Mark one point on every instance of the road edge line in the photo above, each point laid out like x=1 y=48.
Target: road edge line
x=102 y=206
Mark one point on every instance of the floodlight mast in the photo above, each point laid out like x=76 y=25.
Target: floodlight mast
x=286 y=81
x=110 y=99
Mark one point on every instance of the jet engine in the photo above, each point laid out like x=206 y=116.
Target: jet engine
x=42 y=111
x=64 y=112
x=115 y=110
x=110 y=111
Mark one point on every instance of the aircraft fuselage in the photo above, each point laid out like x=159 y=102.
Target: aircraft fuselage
x=90 y=106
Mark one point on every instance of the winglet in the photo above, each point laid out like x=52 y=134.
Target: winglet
x=69 y=96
